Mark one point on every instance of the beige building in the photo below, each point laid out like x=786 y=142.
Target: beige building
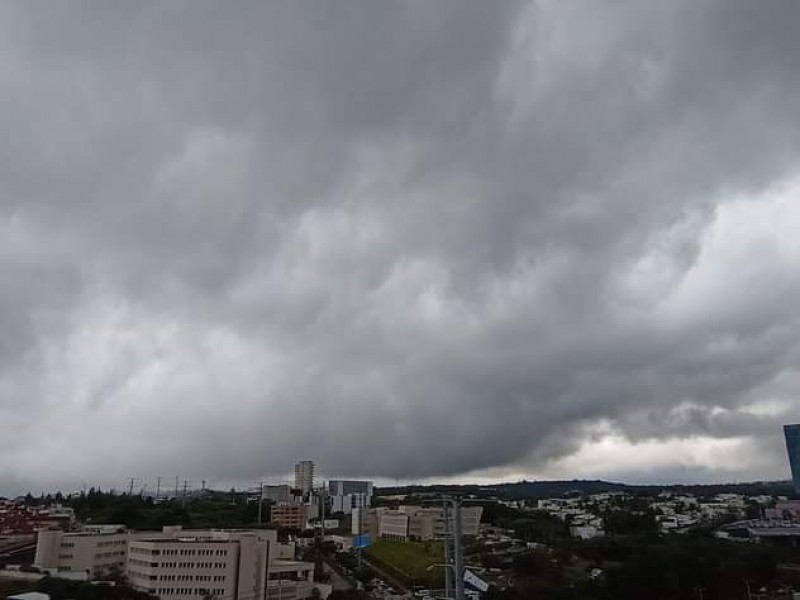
x=97 y=553
x=393 y=525
x=414 y=522
x=289 y=579
x=177 y=564
x=182 y=565
x=292 y=517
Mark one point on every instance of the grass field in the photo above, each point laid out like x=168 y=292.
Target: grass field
x=410 y=558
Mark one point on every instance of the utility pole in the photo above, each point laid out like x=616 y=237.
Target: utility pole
x=454 y=549
x=459 y=550
x=176 y=487
x=130 y=489
x=260 y=499
x=448 y=552
x=158 y=488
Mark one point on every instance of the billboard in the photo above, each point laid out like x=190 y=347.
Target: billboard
x=361 y=541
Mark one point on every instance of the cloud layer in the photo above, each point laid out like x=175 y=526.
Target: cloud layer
x=413 y=240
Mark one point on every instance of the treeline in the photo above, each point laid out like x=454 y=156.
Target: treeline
x=547 y=489
x=648 y=566
x=136 y=512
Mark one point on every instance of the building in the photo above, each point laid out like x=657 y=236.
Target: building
x=347 y=495
x=178 y=564
x=289 y=579
x=792 y=434
x=291 y=517
x=393 y=525
x=279 y=494
x=413 y=522
x=96 y=553
x=224 y=564
x=304 y=475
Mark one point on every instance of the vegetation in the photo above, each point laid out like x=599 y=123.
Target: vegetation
x=411 y=560
x=63 y=589
x=212 y=510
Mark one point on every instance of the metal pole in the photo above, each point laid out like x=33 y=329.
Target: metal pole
x=448 y=555
x=260 y=500
x=458 y=551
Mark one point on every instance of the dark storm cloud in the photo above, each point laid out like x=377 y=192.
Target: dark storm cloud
x=405 y=239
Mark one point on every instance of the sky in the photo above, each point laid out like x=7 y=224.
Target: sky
x=412 y=241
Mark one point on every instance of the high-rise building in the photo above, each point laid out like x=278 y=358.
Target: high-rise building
x=792 y=433
x=304 y=475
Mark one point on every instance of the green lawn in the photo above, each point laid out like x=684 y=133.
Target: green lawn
x=410 y=558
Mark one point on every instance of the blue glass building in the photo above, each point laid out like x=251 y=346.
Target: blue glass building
x=792 y=433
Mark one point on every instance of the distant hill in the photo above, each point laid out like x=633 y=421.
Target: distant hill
x=544 y=489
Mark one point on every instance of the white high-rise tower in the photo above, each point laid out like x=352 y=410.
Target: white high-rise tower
x=304 y=475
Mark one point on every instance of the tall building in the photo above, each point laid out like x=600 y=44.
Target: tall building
x=792 y=433
x=304 y=475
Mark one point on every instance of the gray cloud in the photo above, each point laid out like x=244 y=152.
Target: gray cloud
x=408 y=240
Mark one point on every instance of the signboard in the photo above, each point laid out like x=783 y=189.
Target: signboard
x=471 y=579
x=361 y=541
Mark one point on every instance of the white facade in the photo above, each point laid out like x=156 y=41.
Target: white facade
x=177 y=564
x=348 y=495
x=304 y=475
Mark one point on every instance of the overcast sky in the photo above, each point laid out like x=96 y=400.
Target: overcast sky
x=416 y=240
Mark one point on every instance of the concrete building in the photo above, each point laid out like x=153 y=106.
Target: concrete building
x=414 y=522
x=346 y=495
x=289 y=579
x=95 y=553
x=292 y=517
x=393 y=525
x=178 y=564
x=184 y=565
x=279 y=494
x=304 y=475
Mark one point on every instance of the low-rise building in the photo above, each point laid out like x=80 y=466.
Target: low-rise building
x=291 y=517
x=413 y=522
x=178 y=564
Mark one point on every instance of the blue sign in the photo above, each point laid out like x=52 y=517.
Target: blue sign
x=361 y=541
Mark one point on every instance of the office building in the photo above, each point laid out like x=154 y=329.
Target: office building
x=413 y=522
x=94 y=552
x=182 y=565
x=792 y=434
x=178 y=564
x=279 y=494
x=347 y=495
x=304 y=475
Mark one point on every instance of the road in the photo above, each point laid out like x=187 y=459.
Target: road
x=339 y=582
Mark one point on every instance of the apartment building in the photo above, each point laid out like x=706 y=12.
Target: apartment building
x=292 y=517
x=304 y=475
